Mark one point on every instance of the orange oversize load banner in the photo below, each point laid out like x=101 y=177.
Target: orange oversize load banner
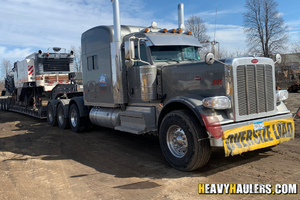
x=258 y=135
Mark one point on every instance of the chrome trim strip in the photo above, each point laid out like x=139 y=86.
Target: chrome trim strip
x=256 y=88
x=247 y=89
x=266 y=89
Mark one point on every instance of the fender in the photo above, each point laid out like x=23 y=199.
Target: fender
x=65 y=103
x=194 y=103
x=83 y=110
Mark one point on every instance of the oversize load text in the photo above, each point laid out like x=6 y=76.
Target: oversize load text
x=245 y=138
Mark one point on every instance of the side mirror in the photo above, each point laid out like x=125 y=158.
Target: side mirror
x=129 y=53
x=129 y=50
x=209 y=58
x=278 y=58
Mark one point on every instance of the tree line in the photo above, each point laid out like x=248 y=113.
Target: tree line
x=265 y=30
x=264 y=27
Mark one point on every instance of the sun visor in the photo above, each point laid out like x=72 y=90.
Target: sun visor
x=172 y=40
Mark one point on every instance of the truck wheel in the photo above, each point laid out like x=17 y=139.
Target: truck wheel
x=6 y=105
x=62 y=121
x=179 y=136
x=77 y=123
x=1 y=105
x=50 y=116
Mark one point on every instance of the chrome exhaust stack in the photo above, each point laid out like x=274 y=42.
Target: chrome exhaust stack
x=117 y=24
x=181 y=16
x=118 y=84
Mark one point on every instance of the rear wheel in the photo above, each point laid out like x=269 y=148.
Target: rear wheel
x=184 y=142
x=77 y=123
x=4 y=105
x=50 y=115
x=7 y=105
x=1 y=103
x=62 y=120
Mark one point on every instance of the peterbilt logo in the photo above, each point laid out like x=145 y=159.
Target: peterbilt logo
x=197 y=78
x=254 y=61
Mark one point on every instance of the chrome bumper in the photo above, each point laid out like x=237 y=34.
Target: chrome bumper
x=219 y=142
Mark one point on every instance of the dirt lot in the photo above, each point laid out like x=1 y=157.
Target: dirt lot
x=42 y=162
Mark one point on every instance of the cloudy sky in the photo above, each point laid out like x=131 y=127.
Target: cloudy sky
x=27 y=26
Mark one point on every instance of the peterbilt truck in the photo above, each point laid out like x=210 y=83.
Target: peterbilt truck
x=151 y=80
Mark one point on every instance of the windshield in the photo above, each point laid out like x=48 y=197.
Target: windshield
x=174 y=53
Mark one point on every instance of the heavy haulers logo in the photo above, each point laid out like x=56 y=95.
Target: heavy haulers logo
x=239 y=188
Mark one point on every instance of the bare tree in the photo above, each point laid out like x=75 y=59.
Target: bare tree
x=77 y=58
x=1 y=86
x=224 y=53
x=5 y=67
x=198 y=28
x=264 y=26
x=295 y=47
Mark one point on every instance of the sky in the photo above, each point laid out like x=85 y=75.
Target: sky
x=31 y=25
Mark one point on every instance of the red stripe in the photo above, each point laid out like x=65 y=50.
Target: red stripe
x=30 y=67
x=30 y=72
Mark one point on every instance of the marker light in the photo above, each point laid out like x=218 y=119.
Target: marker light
x=190 y=32
x=218 y=103
x=47 y=53
x=298 y=112
x=179 y=31
x=282 y=95
x=146 y=30
x=165 y=30
x=173 y=30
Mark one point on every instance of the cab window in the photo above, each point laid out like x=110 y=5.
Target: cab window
x=143 y=55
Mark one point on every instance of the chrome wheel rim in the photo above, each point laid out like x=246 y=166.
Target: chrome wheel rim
x=74 y=118
x=61 y=116
x=177 y=141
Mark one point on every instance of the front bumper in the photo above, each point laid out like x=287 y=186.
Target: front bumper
x=241 y=137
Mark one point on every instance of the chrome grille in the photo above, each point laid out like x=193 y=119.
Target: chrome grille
x=255 y=90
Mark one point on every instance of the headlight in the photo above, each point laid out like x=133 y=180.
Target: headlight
x=282 y=95
x=218 y=103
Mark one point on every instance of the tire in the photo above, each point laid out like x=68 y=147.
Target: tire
x=7 y=105
x=76 y=122
x=50 y=116
x=179 y=136
x=63 y=122
x=4 y=105
x=1 y=105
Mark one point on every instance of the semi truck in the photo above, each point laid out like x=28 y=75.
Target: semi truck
x=150 y=80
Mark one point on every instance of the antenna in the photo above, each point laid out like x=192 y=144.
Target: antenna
x=216 y=22
x=214 y=42
x=164 y=13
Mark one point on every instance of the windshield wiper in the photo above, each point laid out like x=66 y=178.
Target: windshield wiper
x=168 y=59
x=192 y=59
